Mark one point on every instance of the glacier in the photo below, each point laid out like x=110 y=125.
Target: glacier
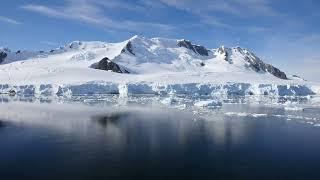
x=155 y=66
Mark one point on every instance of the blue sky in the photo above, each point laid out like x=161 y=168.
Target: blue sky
x=283 y=32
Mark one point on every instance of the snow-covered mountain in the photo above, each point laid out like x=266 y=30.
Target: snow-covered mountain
x=142 y=65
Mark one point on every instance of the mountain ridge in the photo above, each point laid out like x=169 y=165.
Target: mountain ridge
x=181 y=53
x=139 y=65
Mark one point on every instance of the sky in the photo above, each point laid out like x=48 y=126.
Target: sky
x=285 y=33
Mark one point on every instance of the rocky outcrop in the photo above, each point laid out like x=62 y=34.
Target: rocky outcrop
x=276 y=72
x=195 y=48
x=201 y=50
x=258 y=65
x=3 y=55
x=75 y=45
x=186 y=44
x=128 y=48
x=107 y=65
x=223 y=51
x=297 y=77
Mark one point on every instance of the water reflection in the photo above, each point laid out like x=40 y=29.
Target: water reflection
x=134 y=142
x=1 y=124
x=112 y=118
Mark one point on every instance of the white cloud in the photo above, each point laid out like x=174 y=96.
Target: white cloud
x=9 y=20
x=118 y=4
x=214 y=21
x=209 y=11
x=152 y=3
x=92 y=12
x=233 y=7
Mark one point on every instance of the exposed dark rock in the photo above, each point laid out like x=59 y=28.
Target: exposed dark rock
x=298 y=77
x=128 y=48
x=202 y=64
x=51 y=51
x=12 y=92
x=256 y=64
x=222 y=50
x=186 y=44
x=108 y=65
x=75 y=45
x=195 y=48
x=201 y=50
x=276 y=72
x=18 y=52
x=3 y=55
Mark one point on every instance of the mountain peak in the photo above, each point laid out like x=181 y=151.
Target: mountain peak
x=5 y=49
x=74 y=45
x=179 y=55
x=201 y=50
x=136 y=37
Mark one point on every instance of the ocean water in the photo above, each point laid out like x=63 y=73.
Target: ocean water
x=141 y=138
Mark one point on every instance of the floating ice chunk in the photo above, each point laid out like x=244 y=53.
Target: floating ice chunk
x=208 y=104
x=293 y=108
x=181 y=106
x=242 y=114
x=258 y=115
x=168 y=101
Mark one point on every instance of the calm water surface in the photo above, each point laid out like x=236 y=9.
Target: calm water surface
x=76 y=141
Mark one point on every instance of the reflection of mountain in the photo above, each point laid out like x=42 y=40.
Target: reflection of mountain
x=112 y=118
x=154 y=128
x=107 y=141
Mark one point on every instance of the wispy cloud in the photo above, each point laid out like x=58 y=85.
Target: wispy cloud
x=9 y=20
x=92 y=12
x=214 y=21
x=209 y=11
x=234 y=7
x=153 y=3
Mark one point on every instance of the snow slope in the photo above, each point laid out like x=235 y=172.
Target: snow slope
x=156 y=66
